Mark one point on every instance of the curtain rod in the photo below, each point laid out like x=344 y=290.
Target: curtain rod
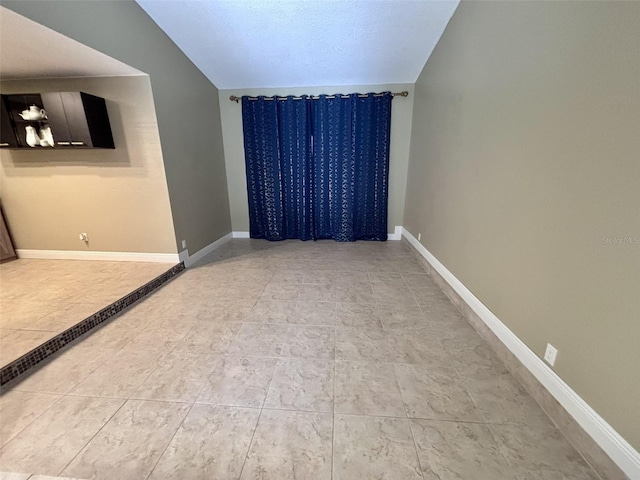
x=233 y=98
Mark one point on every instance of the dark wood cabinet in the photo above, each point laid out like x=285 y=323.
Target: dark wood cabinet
x=64 y=119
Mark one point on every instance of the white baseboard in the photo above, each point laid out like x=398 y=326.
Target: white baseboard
x=620 y=451
x=396 y=235
x=107 y=256
x=191 y=259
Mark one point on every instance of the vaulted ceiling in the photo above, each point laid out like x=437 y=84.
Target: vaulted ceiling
x=286 y=43
x=255 y=43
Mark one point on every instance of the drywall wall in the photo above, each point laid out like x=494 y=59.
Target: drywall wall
x=524 y=182
x=118 y=197
x=231 y=112
x=186 y=105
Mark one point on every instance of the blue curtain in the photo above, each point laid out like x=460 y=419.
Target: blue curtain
x=318 y=168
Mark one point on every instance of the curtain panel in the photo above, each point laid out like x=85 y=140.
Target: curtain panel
x=318 y=168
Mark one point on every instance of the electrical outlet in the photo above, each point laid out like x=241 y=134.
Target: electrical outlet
x=550 y=354
x=184 y=244
x=84 y=237
x=419 y=236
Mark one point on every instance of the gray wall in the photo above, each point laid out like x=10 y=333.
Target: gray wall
x=186 y=103
x=524 y=174
x=231 y=112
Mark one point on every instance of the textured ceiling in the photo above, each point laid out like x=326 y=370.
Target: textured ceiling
x=284 y=43
x=49 y=54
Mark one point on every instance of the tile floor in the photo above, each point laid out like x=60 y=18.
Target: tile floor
x=285 y=360
x=41 y=298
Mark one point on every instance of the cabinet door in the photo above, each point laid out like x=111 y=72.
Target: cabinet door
x=95 y=109
x=7 y=134
x=76 y=119
x=57 y=119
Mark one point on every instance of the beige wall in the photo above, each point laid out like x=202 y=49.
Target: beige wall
x=118 y=197
x=231 y=112
x=186 y=105
x=524 y=157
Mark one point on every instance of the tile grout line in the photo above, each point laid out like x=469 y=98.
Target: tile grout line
x=333 y=402
x=169 y=442
x=93 y=436
x=415 y=446
x=35 y=418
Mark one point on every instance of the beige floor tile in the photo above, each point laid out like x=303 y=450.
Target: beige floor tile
x=403 y=317
x=317 y=293
x=363 y=344
x=5 y=332
x=279 y=292
x=419 y=281
x=64 y=317
x=241 y=332
x=259 y=339
x=114 y=334
x=311 y=312
x=367 y=389
x=360 y=294
x=310 y=342
x=179 y=377
x=290 y=446
x=19 y=409
x=131 y=442
x=55 y=438
x=374 y=448
x=162 y=335
x=539 y=453
x=302 y=384
x=64 y=370
x=121 y=375
x=18 y=314
x=392 y=295
x=53 y=295
x=358 y=315
x=238 y=311
x=459 y=451
x=212 y=443
x=416 y=347
x=239 y=381
x=467 y=349
x=272 y=311
x=443 y=315
x=14 y=476
x=49 y=477
x=14 y=345
x=209 y=338
x=435 y=392
x=501 y=399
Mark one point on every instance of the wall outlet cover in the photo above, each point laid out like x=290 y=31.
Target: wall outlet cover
x=550 y=354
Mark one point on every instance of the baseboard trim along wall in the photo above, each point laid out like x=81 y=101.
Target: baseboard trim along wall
x=108 y=256
x=191 y=259
x=610 y=441
x=396 y=235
